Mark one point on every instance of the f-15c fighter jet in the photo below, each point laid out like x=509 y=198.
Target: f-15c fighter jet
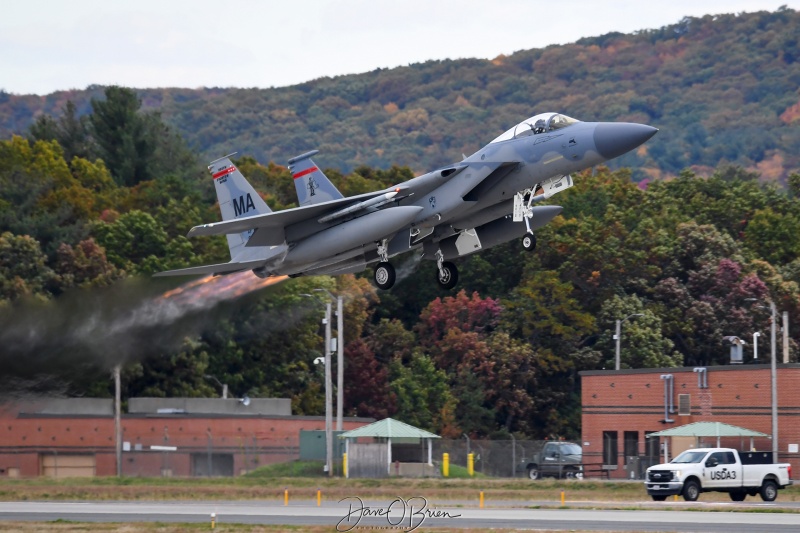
x=487 y=199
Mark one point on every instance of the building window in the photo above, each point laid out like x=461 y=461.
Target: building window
x=610 y=448
x=631 y=444
x=652 y=447
x=684 y=404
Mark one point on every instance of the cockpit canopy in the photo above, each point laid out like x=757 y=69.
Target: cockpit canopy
x=541 y=123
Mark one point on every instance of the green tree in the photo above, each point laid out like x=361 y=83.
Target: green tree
x=423 y=397
x=69 y=130
x=644 y=344
x=23 y=268
x=774 y=236
x=85 y=265
x=126 y=139
x=131 y=239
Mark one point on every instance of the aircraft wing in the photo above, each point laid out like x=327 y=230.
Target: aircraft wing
x=222 y=268
x=280 y=219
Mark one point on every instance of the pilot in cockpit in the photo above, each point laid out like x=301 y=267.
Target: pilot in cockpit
x=538 y=127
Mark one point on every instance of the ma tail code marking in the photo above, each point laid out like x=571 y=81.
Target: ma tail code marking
x=242 y=206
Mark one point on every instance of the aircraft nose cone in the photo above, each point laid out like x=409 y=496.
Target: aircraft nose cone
x=612 y=139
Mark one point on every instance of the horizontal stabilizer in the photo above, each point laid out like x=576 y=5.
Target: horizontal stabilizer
x=222 y=268
x=280 y=219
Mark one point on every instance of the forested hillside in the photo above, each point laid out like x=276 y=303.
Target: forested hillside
x=97 y=193
x=722 y=89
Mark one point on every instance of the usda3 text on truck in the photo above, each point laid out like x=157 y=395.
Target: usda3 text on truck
x=740 y=474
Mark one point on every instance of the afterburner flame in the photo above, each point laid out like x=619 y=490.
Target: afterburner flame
x=209 y=290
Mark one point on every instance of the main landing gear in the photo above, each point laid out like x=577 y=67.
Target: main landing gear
x=446 y=275
x=385 y=275
x=384 y=271
x=446 y=272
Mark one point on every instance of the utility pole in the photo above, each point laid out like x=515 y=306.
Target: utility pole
x=339 y=362
x=618 y=338
x=117 y=419
x=328 y=395
x=772 y=371
x=774 y=380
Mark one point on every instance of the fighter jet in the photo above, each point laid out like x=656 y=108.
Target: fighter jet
x=487 y=199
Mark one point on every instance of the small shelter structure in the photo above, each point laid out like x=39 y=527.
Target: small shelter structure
x=707 y=429
x=393 y=441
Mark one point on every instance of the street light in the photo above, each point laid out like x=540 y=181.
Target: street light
x=339 y=357
x=223 y=385
x=773 y=374
x=618 y=336
x=328 y=399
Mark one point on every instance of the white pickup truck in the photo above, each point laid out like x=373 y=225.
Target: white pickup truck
x=718 y=469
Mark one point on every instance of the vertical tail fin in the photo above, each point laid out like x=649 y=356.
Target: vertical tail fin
x=313 y=187
x=237 y=199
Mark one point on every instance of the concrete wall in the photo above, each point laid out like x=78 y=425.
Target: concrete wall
x=69 y=406
x=209 y=406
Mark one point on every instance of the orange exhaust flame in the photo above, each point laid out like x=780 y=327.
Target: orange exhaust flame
x=195 y=295
x=212 y=289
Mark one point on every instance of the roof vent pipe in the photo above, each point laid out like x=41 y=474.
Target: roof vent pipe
x=668 y=397
x=702 y=377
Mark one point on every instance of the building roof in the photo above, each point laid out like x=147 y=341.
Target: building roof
x=708 y=429
x=389 y=428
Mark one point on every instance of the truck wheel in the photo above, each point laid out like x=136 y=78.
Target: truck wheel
x=569 y=473
x=659 y=498
x=691 y=491
x=769 y=491
x=738 y=495
x=533 y=473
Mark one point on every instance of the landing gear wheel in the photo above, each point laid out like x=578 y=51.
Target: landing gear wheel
x=384 y=275
x=447 y=275
x=529 y=242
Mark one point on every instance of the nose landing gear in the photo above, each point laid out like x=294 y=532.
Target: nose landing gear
x=529 y=242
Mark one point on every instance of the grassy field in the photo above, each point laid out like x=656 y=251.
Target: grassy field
x=303 y=480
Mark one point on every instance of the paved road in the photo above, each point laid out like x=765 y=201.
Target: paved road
x=374 y=513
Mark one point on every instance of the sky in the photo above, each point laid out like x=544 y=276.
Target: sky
x=51 y=45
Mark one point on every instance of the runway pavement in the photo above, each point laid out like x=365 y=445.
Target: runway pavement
x=406 y=514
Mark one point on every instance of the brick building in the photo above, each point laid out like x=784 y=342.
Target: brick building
x=161 y=437
x=619 y=408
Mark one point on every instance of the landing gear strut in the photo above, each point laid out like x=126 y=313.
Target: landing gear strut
x=384 y=271
x=446 y=272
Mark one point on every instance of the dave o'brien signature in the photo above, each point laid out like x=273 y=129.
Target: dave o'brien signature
x=400 y=513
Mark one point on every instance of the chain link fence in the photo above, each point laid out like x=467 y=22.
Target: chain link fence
x=227 y=456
